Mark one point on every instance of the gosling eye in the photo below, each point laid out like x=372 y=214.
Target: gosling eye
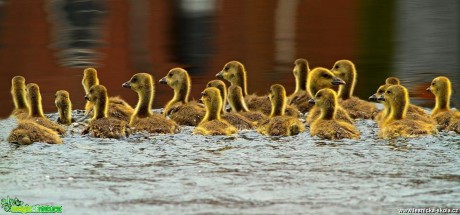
x=91 y=91
x=170 y=74
x=432 y=84
x=388 y=92
x=336 y=66
x=381 y=91
x=134 y=80
x=226 y=68
x=318 y=96
x=326 y=75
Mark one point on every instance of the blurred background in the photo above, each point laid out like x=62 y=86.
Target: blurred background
x=50 y=42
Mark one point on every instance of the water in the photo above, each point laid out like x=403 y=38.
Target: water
x=50 y=42
x=243 y=174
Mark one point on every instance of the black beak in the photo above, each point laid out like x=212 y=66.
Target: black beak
x=381 y=98
x=163 y=81
x=337 y=81
x=126 y=85
x=219 y=75
x=428 y=89
x=311 y=101
x=87 y=97
x=373 y=97
x=200 y=101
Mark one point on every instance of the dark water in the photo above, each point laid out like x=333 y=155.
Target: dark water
x=50 y=42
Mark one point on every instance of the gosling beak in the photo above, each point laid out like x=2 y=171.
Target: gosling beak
x=337 y=81
x=428 y=89
x=311 y=101
x=163 y=81
x=200 y=101
x=381 y=98
x=86 y=97
x=126 y=85
x=220 y=75
x=373 y=97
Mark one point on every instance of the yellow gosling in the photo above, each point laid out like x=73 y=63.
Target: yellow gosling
x=34 y=102
x=327 y=126
x=143 y=118
x=280 y=124
x=321 y=78
x=18 y=92
x=64 y=106
x=179 y=108
x=212 y=123
x=357 y=108
x=101 y=125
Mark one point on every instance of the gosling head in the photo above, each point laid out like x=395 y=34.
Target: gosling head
x=220 y=85
x=277 y=95
x=62 y=98
x=380 y=91
x=96 y=93
x=440 y=86
x=392 y=81
x=34 y=100
x=18 y=91
x=210 y=97
x=345 y=70
x=324 y=98
x=300 y=71
x=139 y=82
x=176 y=78
x=320 y=78
x=89 y=79
x=397 y=97
x=235 y=73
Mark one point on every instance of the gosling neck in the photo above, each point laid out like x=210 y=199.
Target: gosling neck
x=398 y=112
x=19 y=97
x=442 y=102
x=240 y=80
x=100 y=107
x=213 y=110
x=329 y=111
x=386 y=110
x=237 y=103
x=346 y=90
x=182 y=92
x=65 y=113
x=301 y=81
x=278 y=107
x=35 y=107
x=144 y=105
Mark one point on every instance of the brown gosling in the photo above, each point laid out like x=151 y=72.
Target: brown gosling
x=235 y=73
x=179 y=108
x=320 y=78
x=238 y=105
x=143 y=118
x=357 y=108
x=327 y=126
x=442 y=89
x=34 y=102
x=234 y=118
x=299 y=98
x=64 y=106
x=280 y=124
x=118 y=108
x=397 y=124
x=28 y=132
x=212 y=123
x=101 y=125
x=18 y=92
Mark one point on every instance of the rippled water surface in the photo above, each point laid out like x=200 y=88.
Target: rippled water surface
x=243 y=174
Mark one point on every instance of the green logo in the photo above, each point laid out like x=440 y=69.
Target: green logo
x=17 y=206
